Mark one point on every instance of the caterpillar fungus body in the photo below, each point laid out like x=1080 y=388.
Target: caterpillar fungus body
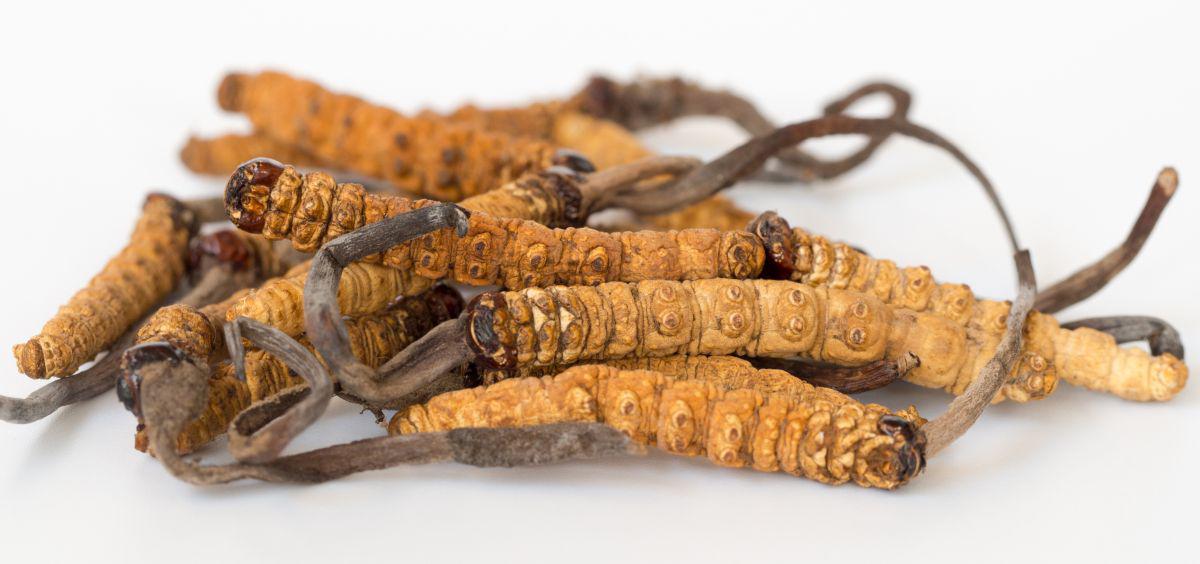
x=815 y=433
x=131 y=283
x=1082 y=357
x=770 y=318
x=267 y=197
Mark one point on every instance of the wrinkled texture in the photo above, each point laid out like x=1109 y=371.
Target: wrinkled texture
x=313 y=209
x=817 y=434
x=132 y=282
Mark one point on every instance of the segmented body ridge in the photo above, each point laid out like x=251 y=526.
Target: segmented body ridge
x=132 y=282
x=823 y=436
x=313 y=209
x=432 y=157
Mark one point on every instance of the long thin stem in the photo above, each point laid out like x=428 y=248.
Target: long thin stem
x=1090 y=279
x=1161 y=336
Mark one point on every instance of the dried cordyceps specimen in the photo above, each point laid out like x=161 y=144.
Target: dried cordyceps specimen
x=364 y=289
x=219 y=155
x=173 y=392
x=374 y=339
x=132 y=282
x=565 y=325
x=197 y=331
x=424 y=156
x=214 y=281
x=821 y=435
x=264 y=196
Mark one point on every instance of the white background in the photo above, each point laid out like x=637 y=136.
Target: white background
x=1071 y=110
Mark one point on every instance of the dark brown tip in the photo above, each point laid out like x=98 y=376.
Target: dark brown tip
x=223 y=246
x=564 y=184
x=776 y=237
x=181 y=215
x=481 y=331
x=448 y=303
x=911 y=445
x=247 y=191
x=573 y=160
x=599 y=97
x=133 y=361
x=229 y=93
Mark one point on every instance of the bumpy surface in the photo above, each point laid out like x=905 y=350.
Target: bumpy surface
x=1082 y=357
x=374 y=339
x=275 y=200
x=363 y=288
x=444 y=157
x=566 y=325
x=432 y=157
x=132 y=282
x=822 y=435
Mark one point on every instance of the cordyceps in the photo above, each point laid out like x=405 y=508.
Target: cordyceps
x=354 y=123
x=424 y=156
x=564 y=325
x=374 y=338
x=310 y=210
x=814 y=433
x=132 y=282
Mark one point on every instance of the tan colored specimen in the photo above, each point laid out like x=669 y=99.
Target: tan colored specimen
x=312 y=209
x=131 y=283
x=466 y=153
x=1082 y=357
x=817 y=434
x=565 y=325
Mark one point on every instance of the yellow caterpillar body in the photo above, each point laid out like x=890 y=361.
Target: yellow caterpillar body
x=817 y=434
x=132 y=282
x=275 y=200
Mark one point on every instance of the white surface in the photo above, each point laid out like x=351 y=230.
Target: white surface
x=1071 y=111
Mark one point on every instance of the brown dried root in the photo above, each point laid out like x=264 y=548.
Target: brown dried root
x=818 y=434
x=173 y=394
x=1091 y=279
x=132 y=282
x=374 y=339
x=648 y=102
x=847 y=380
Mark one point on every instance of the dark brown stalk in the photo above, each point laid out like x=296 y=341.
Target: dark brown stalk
x=1158 y=334
x=261 y=432
x=322 y=318
x=217 y=282
x=207 y=210
x=848 y=380
x=536 y=445
x=1090 y=279
x=967 y=408
x=750 y=156
x=624 y=186
x=651 y=102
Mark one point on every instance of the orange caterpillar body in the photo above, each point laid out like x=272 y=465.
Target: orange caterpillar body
x=310 y=210
x=566 y=325
x=817 y=434
x=141 y=275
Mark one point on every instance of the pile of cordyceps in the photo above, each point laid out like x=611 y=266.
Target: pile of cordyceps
x=695 y=327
